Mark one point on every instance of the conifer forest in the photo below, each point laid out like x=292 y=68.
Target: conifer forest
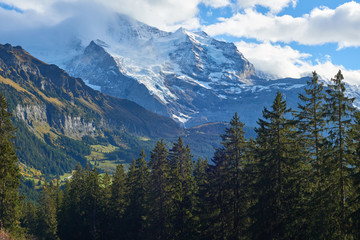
x=299 y=178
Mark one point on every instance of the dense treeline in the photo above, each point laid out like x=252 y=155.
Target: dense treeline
x=299 y=179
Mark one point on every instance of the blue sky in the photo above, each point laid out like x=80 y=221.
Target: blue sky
x=284 y=38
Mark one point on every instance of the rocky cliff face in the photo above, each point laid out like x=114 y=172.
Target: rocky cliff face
x=74 y=127
x=31 y=113
x=77 y=127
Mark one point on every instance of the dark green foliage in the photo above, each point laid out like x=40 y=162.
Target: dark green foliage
x=29 y=218
x=183 y=190
x=160 y=191
x=27 y=188
x=118 y=203
x=228 y=182
x=299 y=179
x=9 y=172
x=49 y=159
x=339 y=114
x=46 y=227
x=138 y=211
x=278 y=183
x=311 y=125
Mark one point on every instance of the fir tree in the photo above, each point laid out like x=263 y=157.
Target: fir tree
x=339 y=112
x=9 y=172
x=311 y=125
x=235 y=146
x=183 y=191
x=218 y=180
x=71 y=217
x=204 y=202
x=353 y=151
x=137 y=211
x=160 y=186
x=105 y=209
x=47 y=214
x=118 y=203
x=278 y=175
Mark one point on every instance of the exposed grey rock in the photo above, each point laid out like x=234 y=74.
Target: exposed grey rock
x=77 y=127
x=74 y=127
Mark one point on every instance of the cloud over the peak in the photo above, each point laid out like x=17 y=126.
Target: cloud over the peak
x=322 y=25
x=164 y=14
x=284 y=61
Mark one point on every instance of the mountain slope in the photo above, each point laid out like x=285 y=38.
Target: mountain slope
x=187 y=76
x=62 y=121
x=63 y=93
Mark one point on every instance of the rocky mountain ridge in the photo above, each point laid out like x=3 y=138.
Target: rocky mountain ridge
x=190 y=77
x=61 y=121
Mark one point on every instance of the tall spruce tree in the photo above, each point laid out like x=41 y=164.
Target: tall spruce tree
x=160 y=191
x=9 y=172
x=278 y=180
x=311 y=119
x=235 y=147
x=71 y=218
x=205 y=204
x=118 y=203
x=183 y=190
x=311 y=124
x=353 y=151
x=218 y=190
x=47 y=214
x=137 y=213
x=339 y=112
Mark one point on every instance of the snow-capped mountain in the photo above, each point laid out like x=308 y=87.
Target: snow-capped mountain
x=190 y=77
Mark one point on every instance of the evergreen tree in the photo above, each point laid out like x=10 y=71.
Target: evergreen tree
x=311 y=121
x=204 y=202
x=218 y=180
x=105 y=209
x=29 y=219
x=71 y=217
x=228 y=183
x=339 y=112
x=91 y=204
x=353 y=151
x=47 y=214
x=278 y=180
x=137 y=211
x=183 y=191
x=160 y=186
x=118 y=203
x=235 y=147
x=9 y=172
x=311 y=124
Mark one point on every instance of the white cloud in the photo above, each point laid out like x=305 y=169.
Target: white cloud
x=217 y=3
x=86 y=20
x=284 y=61
x=275 y=6
x=322 y=25
x=164 y=14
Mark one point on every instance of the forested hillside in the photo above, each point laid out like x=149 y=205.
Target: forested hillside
x=61 y=122
x=299 y=179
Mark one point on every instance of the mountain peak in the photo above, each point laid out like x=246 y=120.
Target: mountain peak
x=62 y=93
x=174 y=74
